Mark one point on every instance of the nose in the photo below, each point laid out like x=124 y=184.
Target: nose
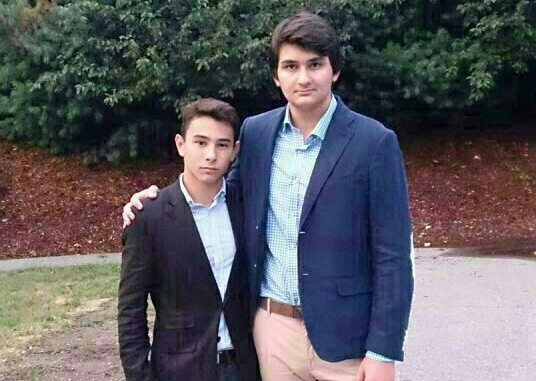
x=303 y=76
x=210 y=153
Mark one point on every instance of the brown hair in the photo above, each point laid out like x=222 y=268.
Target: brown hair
x=214 y=108
x=310 y=32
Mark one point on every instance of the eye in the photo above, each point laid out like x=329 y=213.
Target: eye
x=200 y=142
x=223 y=145
x=316 y=65
x=290 y=66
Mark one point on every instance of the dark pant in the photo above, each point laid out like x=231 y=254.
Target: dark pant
x=228 y=372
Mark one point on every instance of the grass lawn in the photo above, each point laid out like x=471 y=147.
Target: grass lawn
x=43 y=301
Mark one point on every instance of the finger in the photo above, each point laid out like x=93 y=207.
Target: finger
x=360 y=372
x=152 y=191
x=129 y=212
x=127 y=215
x=135 y=201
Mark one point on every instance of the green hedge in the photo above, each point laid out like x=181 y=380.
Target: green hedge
x=106 y=78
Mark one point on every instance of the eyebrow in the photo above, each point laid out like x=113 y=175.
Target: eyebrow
x=312 y=60
x=207 y=138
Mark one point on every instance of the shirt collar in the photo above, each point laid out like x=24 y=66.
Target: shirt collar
x=323 y=123
x=218 y=198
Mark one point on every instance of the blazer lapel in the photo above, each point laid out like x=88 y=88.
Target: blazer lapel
x=266 y=138
x=337 y=138
x=235 y=215
x=180 y=213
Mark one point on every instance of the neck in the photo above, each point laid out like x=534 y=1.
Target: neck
x=201 y=193
x=305 y=120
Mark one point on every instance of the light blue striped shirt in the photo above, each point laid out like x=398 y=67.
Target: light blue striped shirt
x=214 y=226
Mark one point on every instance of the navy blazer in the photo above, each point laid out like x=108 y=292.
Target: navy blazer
x=354 y=265
x=164 y=257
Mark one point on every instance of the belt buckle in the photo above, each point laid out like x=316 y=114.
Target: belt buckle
x=223 y=357
x=299 y=312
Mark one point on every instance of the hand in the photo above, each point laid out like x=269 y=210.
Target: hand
x=135 y=201
x=373 y=370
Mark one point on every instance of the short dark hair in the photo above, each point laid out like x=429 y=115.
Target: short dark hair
x=214 y=108
x=310 y=32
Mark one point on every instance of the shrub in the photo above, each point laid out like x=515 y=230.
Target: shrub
x=107 y=77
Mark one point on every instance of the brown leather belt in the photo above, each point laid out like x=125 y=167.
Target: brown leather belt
x=288 y=310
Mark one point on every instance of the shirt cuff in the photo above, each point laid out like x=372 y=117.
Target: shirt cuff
x=378 y=357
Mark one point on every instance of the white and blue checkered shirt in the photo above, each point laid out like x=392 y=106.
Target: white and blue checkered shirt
x=293 y=161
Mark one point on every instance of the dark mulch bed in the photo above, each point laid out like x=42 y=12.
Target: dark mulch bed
x=466 y=190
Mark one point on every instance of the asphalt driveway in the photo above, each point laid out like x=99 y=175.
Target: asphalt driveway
x=473 y=319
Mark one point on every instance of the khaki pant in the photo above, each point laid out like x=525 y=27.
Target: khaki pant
x=286 y=354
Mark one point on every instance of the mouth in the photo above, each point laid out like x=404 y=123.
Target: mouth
x=304 y=92
x=209 y=169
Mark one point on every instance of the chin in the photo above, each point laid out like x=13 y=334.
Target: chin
x=308 y=104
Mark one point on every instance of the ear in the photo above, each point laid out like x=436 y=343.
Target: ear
x=179 y=143
x=236 y=149
x=276 y=80
x=336 y=76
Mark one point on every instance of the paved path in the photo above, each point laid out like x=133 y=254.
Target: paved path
x=64 y=260
x=473 y=319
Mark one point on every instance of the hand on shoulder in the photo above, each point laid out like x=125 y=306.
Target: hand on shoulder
x=135 y=201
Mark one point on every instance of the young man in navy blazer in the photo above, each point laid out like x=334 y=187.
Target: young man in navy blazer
x=184 y=251
x=327 y=224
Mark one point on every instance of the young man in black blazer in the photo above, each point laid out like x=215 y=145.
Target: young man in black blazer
x=184 y=251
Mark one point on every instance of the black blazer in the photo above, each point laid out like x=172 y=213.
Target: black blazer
x=164 y=257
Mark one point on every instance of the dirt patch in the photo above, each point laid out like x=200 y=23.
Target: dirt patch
x=520 y=248
x=90 y=306
x=87 y=351
x=55 y=205
x=472 y=192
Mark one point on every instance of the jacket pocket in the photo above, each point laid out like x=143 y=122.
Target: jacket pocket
x=177 y=341
x=178 y=322
x=178 y=334
x=349 y=287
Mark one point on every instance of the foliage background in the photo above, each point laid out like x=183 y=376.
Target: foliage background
x=106 y=77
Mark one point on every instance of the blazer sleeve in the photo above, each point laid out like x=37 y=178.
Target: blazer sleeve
x=134 y=288
x=390 y=232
